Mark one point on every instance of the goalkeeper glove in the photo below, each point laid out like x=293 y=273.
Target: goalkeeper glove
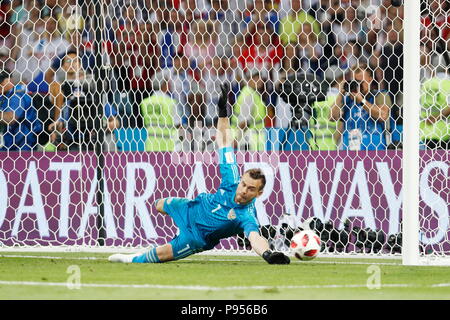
x=275 y=257
x=223 y=100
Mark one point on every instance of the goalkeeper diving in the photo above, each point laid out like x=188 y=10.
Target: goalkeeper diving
x=210 y=217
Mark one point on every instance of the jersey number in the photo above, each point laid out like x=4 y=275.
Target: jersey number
x=218 y=208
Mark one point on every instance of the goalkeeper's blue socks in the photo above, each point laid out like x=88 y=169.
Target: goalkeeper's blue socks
x=148 y=257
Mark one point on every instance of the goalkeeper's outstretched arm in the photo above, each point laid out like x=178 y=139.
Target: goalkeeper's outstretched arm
x=224 y=134
x=261 y=247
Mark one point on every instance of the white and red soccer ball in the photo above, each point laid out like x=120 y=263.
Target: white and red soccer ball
x=305 y=245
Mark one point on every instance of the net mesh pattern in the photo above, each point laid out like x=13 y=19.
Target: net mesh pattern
x=107 y=106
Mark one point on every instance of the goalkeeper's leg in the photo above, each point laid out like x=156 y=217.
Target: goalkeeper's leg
x=180 y=247
x=154 y=255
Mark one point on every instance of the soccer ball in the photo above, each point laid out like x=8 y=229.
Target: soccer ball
x=305 y=245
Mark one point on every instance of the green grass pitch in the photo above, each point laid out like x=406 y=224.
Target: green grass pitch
x=55 y=276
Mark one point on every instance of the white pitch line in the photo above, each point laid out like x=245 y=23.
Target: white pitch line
x=197 y=288
x=212 y=259
x=440 y=285
x=48 y=257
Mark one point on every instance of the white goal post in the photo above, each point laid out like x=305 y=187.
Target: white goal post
x=411 y=157
x=411 y=134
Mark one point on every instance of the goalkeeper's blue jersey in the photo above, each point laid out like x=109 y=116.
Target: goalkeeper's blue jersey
x=215 y=216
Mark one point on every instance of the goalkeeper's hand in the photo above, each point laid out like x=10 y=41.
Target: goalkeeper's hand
x=223 y=100
x=275 y=257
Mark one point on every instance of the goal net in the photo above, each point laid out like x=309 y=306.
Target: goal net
x=108 y=106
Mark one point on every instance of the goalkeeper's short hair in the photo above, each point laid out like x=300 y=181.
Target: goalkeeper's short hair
x=257 y=174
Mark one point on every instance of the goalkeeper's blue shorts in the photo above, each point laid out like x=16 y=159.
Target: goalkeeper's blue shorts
x=185 y=243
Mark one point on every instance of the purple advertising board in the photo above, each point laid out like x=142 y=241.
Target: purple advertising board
x=50 y=198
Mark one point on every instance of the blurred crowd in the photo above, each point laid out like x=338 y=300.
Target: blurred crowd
x=163 y=62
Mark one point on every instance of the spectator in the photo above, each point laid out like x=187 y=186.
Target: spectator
x=146 y=8
x=218 y=75
x=237 y=6
x=114 y=10
x=202 y=45
x=349 y=55
x=45 y=88
x=6 y=62
x=191 y=10
x=430 y=63
x=144 y=62
x=308 y=53
x=435 y=101
x=77 y=123
x=435 y=32
x=43 y=80
x=251 y=112
x=285 y=5
x=173 y=28
x=438 y=17
x=180 y=82
x=61 y=141
x=36 y=57
x=51 y=8
x=159 y=111
x=378 y=20
x=326 y=133
x=259 y=11
x=238 y=48
x=20 y=10
x=389 y=75
x=70 y=18
x=290 y=131
x=134 y=57
x=28 y=28
x=364 y=112
x=19 y=16
x=226 y=24
x=113 y=19
x=84 y=51
x=6 y=34
x=349 y=28
x=265 y=53
x=200 y=49
x=19 y=123
x=350 y=32
x=290 y=26
x=388 y=47
x=325 y=12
